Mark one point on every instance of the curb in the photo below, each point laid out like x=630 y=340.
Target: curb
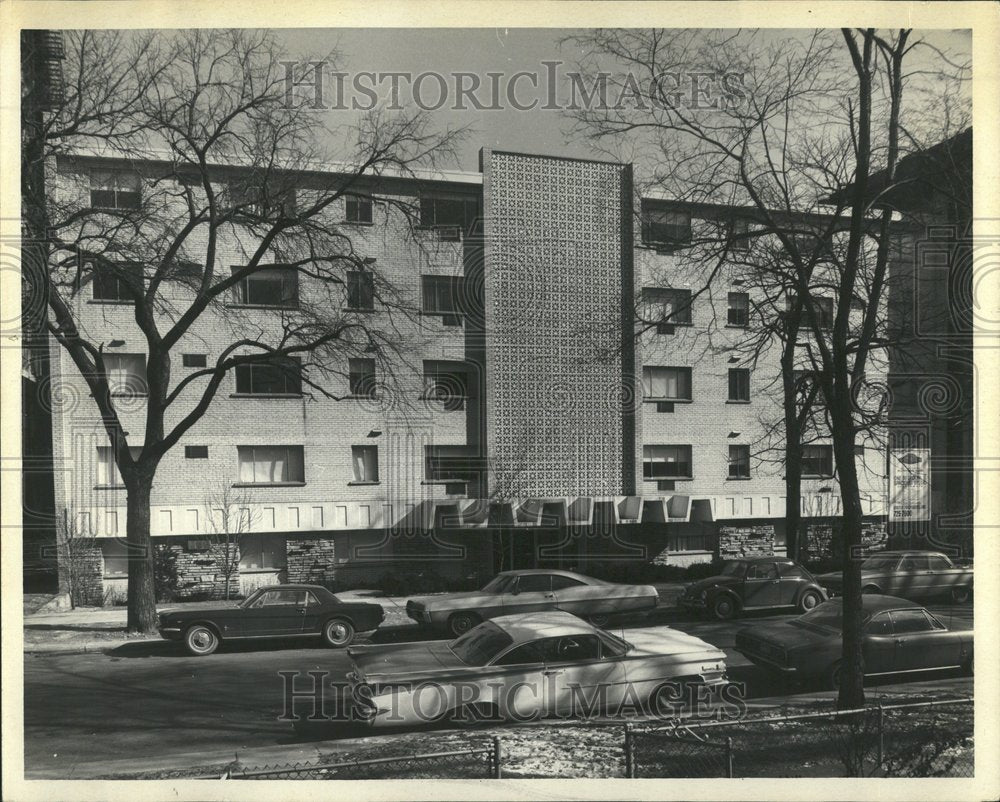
x=85 y=648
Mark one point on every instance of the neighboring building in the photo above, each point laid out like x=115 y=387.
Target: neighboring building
x=535 y=427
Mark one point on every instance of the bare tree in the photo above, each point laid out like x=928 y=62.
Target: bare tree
x=238 y=166
x=231 y=514
x=794 y=130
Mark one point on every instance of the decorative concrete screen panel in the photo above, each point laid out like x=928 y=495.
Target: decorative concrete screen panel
x=558 y=294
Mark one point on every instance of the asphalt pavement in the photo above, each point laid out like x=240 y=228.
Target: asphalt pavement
x=146 y=705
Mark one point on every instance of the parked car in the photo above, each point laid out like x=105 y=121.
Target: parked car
x=530 y=591
x=899 y=636
x=276 y=611
x=753 y=583
x=519 y=667
x=910 y=574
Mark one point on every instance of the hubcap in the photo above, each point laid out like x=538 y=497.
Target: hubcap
x=463 y=624
x=202 y=639
x=724 y=607
x=809 y=602
x=337 y=632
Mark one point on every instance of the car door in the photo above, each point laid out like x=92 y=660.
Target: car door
x=943 y=575
x=275 y=612
x=912 y=578
x=922 y=642
x=761 y=586
x=879 y=645
x=578 y=680
x=574 y=596
x=521 y=690
x=533 y=592
x=313 y=613
x=793 y=579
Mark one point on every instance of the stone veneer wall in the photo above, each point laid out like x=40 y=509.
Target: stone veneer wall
x=81 y=569
x=754 y=540
x=310 y=560
x=200 y=574
x=820 y=539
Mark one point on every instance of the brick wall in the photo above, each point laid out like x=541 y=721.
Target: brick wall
x=745 y=541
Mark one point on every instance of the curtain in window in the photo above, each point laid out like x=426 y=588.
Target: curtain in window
x=270 y=464
x=666 y=383
x=365 y=460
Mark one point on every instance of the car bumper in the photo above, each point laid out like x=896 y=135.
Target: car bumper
x=767 y=662
x=420 y=616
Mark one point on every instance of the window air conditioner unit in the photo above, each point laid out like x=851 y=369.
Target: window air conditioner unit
x=664 y=406
x=455 y=488
x=665 y=484
x=664 y=328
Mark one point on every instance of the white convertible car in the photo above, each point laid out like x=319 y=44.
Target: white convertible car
x=530 y=591
x=523 y=667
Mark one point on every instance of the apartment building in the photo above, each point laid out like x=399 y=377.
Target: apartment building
x=532 y=421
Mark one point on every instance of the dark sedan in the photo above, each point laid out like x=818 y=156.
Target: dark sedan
x=753 y=583
x=278 y=611
x=910 y=574
x=899 y=636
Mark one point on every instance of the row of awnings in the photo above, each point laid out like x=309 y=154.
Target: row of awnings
x=553 y=512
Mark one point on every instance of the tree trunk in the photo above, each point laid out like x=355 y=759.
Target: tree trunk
x=851 y=693
x=793 y=472
x=141 y=587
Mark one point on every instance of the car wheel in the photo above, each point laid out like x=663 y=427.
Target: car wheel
x=961 y=595
x=809 y=600
x=338 y=633
x=870 y=590
x=201 y=640
x=599 y=621
x=724 y=607
x=673 y=697
x=460 y=623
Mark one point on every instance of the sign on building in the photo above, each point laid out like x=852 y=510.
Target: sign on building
x=910 y=484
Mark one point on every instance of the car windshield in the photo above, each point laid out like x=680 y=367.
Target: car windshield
x=499 y=584
x=734 y=568
x=480 y=645
x=829 y=614
x=879 y=562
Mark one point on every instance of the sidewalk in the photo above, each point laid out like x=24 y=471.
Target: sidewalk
x=99 y=629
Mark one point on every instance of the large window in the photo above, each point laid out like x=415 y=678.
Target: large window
x=361 y=377
x=284 y=378
x=666 y=462
x=817 y=461
x=270 y=286
x=669 y=306
x=447 y=382
x=739 y=384
x=666 y=384
x=358 y=210
x=107 y=469
x=442 y=295
x=739 y=462
x=665 y=227
x=262 y=552
x=360 y=290
x=255 y=199
x=451 y=464
x=823 y=307
x=270 y=465
x=738 y=309
x=451 y=218
x=126 y=373
x=114 y=189
x=118 y=283
x=739 y=234
x=364 y=462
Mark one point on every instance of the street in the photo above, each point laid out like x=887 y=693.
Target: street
x=146 y=705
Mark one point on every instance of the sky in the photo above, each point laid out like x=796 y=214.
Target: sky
x=481 y=51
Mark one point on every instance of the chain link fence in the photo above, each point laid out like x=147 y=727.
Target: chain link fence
x=929 y=739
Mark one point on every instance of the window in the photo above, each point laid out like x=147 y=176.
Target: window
x=364 y=460
x=563 y=582
x=360 y=290
x=666 y=462
x=447 y=382
x=262 y=552
x=822 y=306
x=270 y=465
x=817 y=461
x=665 y=227
x=879 y=625
x=115 y=558
x=739 y=384
x=196 y=452
x=451 y=464
x=194 y=360
x=361 y=377
x=280 y=598
x=269 y=286
x=668 y=384
x=126 y=373
x=762 y=571
x=252 y=198
x=183 y=270
x=667 y=305
x=793 y=571
x=442 y=295
x=738 y=309
x=114 y=189
x=120 y=282
x=576 y=648
x=281 y=378
x=359 y=210
x=534 y=583
x=906 y=621
x=914 y=562
x=739 y=462
x=739 y=230
x=521 y=655
x=935 y=563
x=107 y=469
x=451 y=218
